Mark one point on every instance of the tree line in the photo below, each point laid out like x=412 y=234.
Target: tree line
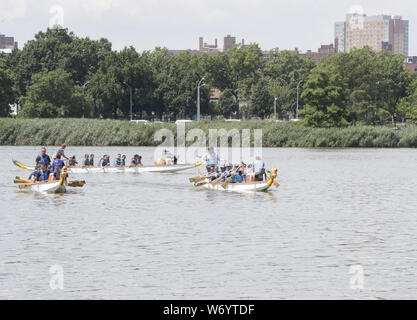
x=58 y=75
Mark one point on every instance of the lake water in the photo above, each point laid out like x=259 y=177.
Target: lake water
x=133 y=236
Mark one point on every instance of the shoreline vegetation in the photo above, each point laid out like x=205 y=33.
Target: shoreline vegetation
x=92 y=132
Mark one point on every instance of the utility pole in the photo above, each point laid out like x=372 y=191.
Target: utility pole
x=200 y=84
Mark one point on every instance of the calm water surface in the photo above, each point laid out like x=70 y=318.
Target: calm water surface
x=127 y=236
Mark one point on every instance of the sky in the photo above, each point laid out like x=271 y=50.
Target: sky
x=177 y=24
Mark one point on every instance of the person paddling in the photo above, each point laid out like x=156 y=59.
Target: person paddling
x=57 y=166
x=43 y=174
x=259 y=169
x=118 y=160
x=105 y=161
x=86 y=161
x=61 y=151
x=212 y=160
x=91 y=163
x=42 y=157
x=123 y=162
x=72 y=162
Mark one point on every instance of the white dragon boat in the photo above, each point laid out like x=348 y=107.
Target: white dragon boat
x=144 y=169
x=257 y=186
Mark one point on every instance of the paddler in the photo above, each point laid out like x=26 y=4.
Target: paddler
x=118 y=160
x=105 y=161
x=61 y=151
x=212 y=160
x=72 y=162
x=91 y=164
x=42 y=157
x=123 y=164
x=57 y=166
x=43 y=174
x=259 y=169
x=86 y=161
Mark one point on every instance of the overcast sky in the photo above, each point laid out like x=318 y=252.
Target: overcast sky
x=177 y=24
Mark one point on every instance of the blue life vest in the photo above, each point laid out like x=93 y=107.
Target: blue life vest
x=57 y=165
x=117 y=162
x=60 y=151
x=86 y=162
x=104 y=162
x=43 y=175
x=123 y=162
x=45 y=158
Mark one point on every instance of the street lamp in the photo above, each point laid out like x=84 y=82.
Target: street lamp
x=298 y=90
x=199 y=85
x=131 y=101
x=275 y=108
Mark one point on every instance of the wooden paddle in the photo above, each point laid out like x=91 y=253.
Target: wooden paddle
x=22 y=180
x=76 y=183
x=224 y=184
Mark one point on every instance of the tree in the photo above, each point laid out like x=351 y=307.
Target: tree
x=6 y=89
x=261 y=100
x=227 y=104
x=52 y=95
x=325 y=99
x=57 y=48
x=407 y=107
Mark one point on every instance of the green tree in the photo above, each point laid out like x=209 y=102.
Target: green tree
x=52 y=95
x=261 y=101
x=227 y=104
x=325 y=99
x=6 y=89
x=407 y=107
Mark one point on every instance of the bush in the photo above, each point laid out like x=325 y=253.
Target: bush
x=91 y=132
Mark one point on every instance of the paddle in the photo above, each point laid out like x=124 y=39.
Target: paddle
x=22 y=180
x=21 y=165
x=224 y=184
x=76 y=183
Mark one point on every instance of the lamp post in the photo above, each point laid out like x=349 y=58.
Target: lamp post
x=275 y=108
x=298 y=90
x=199 y=85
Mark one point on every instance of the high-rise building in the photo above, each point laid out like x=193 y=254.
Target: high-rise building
x=228 y=42
x=7 y=42
x=381 y=32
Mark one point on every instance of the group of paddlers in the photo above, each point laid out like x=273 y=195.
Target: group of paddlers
x=239 y=173
x=47 y=169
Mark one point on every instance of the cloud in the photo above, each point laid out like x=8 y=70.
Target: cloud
x=11 y=10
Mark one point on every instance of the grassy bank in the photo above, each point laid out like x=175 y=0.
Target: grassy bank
x=86 y=132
